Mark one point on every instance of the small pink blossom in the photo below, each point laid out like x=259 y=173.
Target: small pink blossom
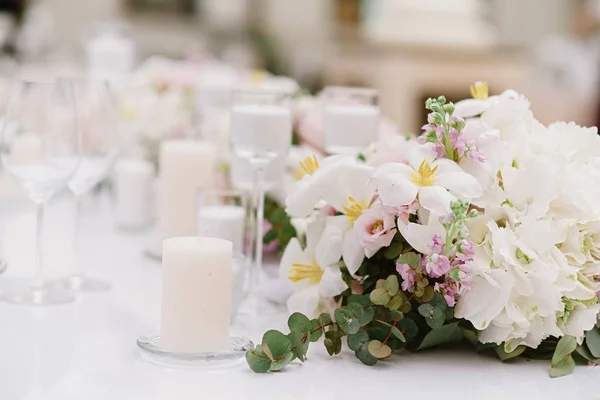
x=437 y=265
x=408 y=276
x=375 y=228
x=403 y=212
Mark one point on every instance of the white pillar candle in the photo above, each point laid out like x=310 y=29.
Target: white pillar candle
x=196 y=294
x=134 y=181
x=261 y=130
x=223 y=221
x=241 y=173
x=186 y=166
x=350 y=127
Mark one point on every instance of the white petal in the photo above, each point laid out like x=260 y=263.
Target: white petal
x=329 y=248
x=314 y=230
x=393 y=169
x=461 y=183
x=418 y=236
x=581 y=320
x=305 y=301
x=293 y=254
x=331 y=283
x=470 y=108
x=483 y=301
x=436 y=199
x=353 y=252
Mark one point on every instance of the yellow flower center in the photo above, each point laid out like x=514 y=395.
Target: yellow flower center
x=425 y=175
x=307 y=167
x=258 y=76
x=354 y=209
x=312 y=272
x=130 y=113
x=377 y=227
x=479 y=90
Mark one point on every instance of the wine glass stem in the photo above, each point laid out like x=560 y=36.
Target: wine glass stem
x=79 y=269
x=38 y=281
x=259 y=187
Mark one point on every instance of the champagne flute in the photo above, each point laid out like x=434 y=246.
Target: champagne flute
x=97 y=126
x=40 y=147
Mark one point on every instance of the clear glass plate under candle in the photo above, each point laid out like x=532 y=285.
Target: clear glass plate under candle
x=236 y=350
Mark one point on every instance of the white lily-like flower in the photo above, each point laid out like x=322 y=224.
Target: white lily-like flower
x=435 y=184
x=313 y=271
x=481 y=101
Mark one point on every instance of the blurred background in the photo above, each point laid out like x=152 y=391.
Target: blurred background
x=407 y=49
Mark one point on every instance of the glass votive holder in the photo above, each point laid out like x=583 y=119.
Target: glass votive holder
x=351 y=119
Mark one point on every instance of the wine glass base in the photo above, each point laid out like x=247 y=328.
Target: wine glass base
x=40 y=297
x=84 y=284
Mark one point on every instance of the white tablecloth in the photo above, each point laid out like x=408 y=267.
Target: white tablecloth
x=87 y=350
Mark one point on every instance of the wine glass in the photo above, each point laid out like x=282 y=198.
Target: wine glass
x=97 y=125
x=40 y=147
x=351 y=119
x=260 y=132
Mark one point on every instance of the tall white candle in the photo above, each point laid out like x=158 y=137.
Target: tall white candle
x=350 y=127
x=261 y=130
x=196 y=294
x=223 y=221
x=186 y=166
x=134 y=180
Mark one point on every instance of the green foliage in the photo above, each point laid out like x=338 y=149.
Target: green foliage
x=444 y=335
x=592 y=340
x=562 y=359
x=503 y=355
x=281 y=224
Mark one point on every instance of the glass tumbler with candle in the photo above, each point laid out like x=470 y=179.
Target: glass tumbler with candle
x=260 y=132
x=40 y=147
x=351 y=119
x=224 y=214
x=97 y=125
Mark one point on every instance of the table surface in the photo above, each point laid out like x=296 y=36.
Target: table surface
x=87 y=349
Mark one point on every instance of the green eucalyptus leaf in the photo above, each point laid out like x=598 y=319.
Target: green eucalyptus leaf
x=363 y=314
x=356 y=341
x=409 y=328
x=365 y=357
x=439 y=301
x=471 y=336
x=566 y=345
x=503 y=355
x=391 y=285
x=592 y=339
x=379 y=350
x=428 y=294
x=300 y=344
x=325 y=319
x=360 y=299
x=316 y=330
x=333 y=342
x=564 y=367
x=396 y=315
x=396 y=332
x=276 y=343
x=299 y=323
x=412 y=259
x=437 y=337
x=449 y=313
x=585 y=353
x=257 y=360
x=393 y=250
x=347 y=320
x=380 y=296
x=280 y=364
x=397 y=301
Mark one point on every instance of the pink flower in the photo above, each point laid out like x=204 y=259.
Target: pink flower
x=437 y=265
x=408 y=276
x=375 y=229
x=403 y=212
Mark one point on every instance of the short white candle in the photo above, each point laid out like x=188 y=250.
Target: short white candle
x=186 y=166
x=134 y=181
x=350 y=127
x=223 y=221
x=196 y=294
x=241 y=173
x=261 y=130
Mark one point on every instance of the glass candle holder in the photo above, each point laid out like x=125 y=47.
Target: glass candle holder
x=351 y=119
x=261 y=132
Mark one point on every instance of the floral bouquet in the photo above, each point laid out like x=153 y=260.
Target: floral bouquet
x=486 y=230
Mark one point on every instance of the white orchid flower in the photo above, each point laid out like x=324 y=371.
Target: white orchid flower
x=435 y=184
x=314 y=271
